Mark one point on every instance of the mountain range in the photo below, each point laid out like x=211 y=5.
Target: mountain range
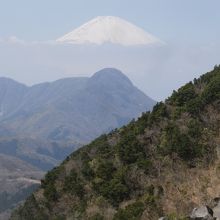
x=41 y=124
x=77 y=109
x=163 y=164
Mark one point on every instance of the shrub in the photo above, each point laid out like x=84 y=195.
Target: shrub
x=50 y=177
x=130 y=149
x=174 y=216
x=174 y=141
x=183 y=95
x=194 y=129
x=99 y=142
x=206 y=78
x=146 y=165
x=105 y=170
x=159 y=111
x=212 y=90
x=142 y=122
x=131 y=212
x=84 y=156
x=87 y=171
x=50 y=192
x=97 y=217
x=48 y=184
x=195 y=105
x=114 y=191
x=73 y=184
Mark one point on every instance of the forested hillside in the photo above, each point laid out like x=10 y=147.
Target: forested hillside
x=163 y=164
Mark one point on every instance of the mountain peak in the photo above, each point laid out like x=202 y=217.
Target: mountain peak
x=109 y=29
x=110 y=76
x=110 y=71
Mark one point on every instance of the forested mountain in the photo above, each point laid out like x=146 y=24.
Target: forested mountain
x=162 y=164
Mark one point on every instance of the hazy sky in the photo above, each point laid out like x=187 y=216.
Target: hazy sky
x=190 y=29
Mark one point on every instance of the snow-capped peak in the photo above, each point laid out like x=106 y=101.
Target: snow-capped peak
x=109 y=29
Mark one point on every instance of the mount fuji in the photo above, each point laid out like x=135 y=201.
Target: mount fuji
x=109 y=29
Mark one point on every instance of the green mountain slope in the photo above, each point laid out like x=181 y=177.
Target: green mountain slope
x=165 y=163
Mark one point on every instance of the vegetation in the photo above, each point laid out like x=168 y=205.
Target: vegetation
x=132 y=212
x=129 y=149
x=48 y=184
x=133 y=168
x=33 y=211
x=73 y=184
x=183 y=95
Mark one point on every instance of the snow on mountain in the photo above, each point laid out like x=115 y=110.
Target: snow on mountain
x=109 y=29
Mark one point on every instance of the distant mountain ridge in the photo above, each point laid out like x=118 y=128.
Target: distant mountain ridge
x=76 y=109
x=42 y=124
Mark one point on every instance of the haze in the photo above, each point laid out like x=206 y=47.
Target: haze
x=28 y=54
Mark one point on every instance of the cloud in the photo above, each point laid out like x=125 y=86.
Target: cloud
x=156 y=70
x=17 y=41
x=12 y=40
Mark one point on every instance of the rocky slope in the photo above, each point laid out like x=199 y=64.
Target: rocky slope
x=163 y=164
